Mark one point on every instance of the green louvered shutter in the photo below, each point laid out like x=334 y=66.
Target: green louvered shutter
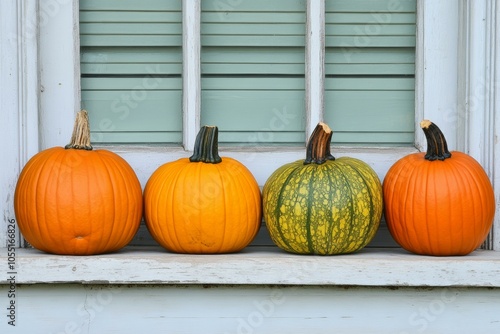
x=252 y=64
x=370 y=71
x=131 y=65
x=252 y=70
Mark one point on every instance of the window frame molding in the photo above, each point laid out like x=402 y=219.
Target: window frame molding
x=479 y=93
x=19 y=101
x=46 y=89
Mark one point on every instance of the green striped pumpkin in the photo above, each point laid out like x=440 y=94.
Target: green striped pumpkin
x=322 y=205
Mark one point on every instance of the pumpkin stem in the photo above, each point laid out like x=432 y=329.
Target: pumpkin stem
x=318 y=146
x=206 y=146
x=80 y=139
x=437 y=148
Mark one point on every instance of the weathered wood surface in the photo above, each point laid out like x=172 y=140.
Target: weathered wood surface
x=259 y=266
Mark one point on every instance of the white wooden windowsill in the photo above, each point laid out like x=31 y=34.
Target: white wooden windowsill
x=258 y=266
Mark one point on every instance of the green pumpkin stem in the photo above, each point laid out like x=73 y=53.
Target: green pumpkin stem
x=80 y=139
x=437 y=148
x=318 y=146
x=206 y=147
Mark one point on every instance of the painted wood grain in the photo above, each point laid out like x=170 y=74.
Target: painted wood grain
x=260 y=266
x=253 y=309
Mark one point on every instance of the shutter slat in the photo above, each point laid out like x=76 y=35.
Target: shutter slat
x=132 y=28
x=264 y=137
x=264 y=61
x=369 y=18
x=371 y=69
x=265 y=6
x=280 y=16
x=129 y=5
x=144 y=83
x=253 y=84
x=130 y=137
x=257 y=41
x=370 y=85
x=363 y=41
x=370 y=55
x=375 y=139
x=129 y=40
x=122 y=61
x=370 y=6
x=370 y=29
x=132 y=17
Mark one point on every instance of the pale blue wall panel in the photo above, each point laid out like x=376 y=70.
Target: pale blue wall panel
x=371 y=6
x=264 y=309
x=130 y=5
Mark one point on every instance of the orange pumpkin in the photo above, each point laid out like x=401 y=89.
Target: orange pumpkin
x=439 y=202
x=76 y=200
x=204 y=204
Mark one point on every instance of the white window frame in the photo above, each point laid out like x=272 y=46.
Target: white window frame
x=451 y=64
x=61 y=91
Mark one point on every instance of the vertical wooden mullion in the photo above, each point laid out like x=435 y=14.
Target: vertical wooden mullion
x=60 y=70
x=436 y=63
x=315 y=63
x=191 y=71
